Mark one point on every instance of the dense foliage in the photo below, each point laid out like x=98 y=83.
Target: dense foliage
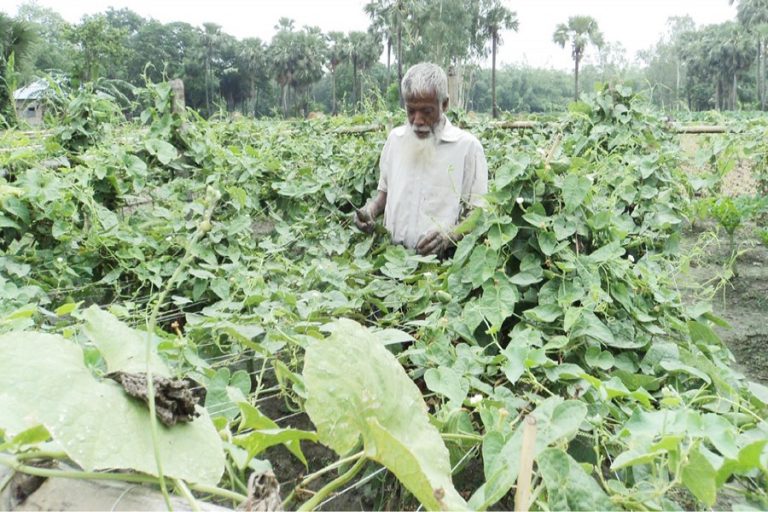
x=560 y=302
x=302 y=69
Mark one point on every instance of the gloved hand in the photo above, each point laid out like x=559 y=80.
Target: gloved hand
x=435 y=242
x=364 y=220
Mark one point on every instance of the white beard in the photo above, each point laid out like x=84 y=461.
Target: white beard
x=421 y=152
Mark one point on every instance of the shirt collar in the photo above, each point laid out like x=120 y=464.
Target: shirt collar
x=450 y=132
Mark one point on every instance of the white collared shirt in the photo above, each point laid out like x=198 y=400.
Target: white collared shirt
x=431 y=197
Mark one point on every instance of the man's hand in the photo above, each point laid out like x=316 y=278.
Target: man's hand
x=364 y=220
x=434 y=242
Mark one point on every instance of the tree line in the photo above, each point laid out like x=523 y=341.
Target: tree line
x=304 y=69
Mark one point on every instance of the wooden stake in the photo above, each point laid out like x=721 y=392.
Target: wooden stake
x=523 y=493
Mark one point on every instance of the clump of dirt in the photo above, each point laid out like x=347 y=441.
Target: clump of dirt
x=174 y=399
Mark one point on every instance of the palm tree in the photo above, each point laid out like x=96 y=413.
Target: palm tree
x=17 y=39
x=338 y=52
x=753 y=14
x=281 y=57
x=580 y=31
x=364 y=49
x=211 y=37
x=494 y=18
x=391 y=16
x=380 y=23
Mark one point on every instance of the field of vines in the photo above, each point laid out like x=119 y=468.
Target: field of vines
x=186 y=304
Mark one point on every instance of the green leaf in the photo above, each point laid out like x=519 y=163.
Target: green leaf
x=392 y=336
x=357 y=389
x=526 y=278
x=698 y=476
x=124 y=349
x=748 y=460
x=555 y=420
x=546 y=313
x=547 y=242
x=481 y=265
x=500 y=234
x=135 y=165
x=263 y=433
x=66 y=309
x=5 y=222
x=447 y=382
x=608 y=252
x=32 y=436
x=164 y=151
x=569 y=487
x=220 y=287
x=564 y=227
x=96 y=423
x=575 y=190
x=514 y=366
x=597 y=358
x=511 y=170
x=701 y=333
x=591 y=326
x=498 y=300
x=224 y=391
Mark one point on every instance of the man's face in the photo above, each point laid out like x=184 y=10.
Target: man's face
x=424 y=113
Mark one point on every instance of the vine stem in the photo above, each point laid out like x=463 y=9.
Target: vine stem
x=313 y=476
x=136 y=478
x=331 y=486
x=461 y=437
x=187 y=494
x=202 y=229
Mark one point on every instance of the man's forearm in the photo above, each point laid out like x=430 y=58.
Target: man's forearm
x=377 y=204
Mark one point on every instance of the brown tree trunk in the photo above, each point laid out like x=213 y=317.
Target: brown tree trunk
x=576 y=79
x=333 y=91
x=495 y=110
x=453 y=88
x=355 y=96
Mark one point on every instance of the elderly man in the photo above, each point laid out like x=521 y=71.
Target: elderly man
x=431 y=172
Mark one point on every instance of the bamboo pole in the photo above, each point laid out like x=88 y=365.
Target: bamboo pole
x=696 y=129
x=522 y=125
x=523 y=493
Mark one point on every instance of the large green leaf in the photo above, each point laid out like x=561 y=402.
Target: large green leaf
x=124 y=349
x=498 y=300
x=356 y=388
x=569 y=487
x=447 y=382
x=699 y=477
x=43 y=381
x=575 y=190
x=555 y=419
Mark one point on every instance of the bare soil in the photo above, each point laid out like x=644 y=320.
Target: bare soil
x=738 y=290
x=735 y=279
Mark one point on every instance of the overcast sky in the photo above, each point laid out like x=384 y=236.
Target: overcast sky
x=636 y=24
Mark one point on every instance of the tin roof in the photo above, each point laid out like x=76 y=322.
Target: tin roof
x=32 y=91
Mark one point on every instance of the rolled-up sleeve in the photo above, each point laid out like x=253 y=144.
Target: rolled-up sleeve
x=475 y=180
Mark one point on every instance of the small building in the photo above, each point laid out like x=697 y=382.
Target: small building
x=29 y=102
